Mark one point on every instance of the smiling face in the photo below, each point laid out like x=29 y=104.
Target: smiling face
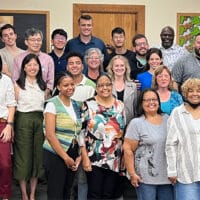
x=150 y=103
x=141 y=46
x=9 y=37
x=31 y=68
x=85 y=27
x=119 y=68
x=66 y=87
x=34 y=43
x=75 y=65
x=154 y=61
x=167 y=37
x=59 y=41
x=104 y=87
x=193 y=95
x=93 y=61
x=163 y=79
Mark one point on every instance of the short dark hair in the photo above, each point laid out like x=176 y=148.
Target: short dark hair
x=6 y=26
x=136 y=37
x=85 y=17
x=140 y=110
x=118 y=30
x=22 y=77
x=59 y=31
x=74 y=54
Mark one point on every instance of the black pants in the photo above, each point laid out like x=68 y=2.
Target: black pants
x=59 y=176
x=102 y=183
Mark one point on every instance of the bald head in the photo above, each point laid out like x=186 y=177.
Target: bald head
x=167 y=37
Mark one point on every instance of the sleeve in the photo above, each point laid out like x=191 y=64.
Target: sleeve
x=132 y=131
x=171 y=145
x=50 y=108
x=177 y=71
x=16 y=68
x=50 y=75
x=10 y=94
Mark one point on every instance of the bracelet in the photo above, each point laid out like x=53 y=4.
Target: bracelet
x=10 y=123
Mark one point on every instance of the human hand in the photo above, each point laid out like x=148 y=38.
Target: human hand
x=173 y=179
x=6 y=134
x=70 y=163
x=135 y=180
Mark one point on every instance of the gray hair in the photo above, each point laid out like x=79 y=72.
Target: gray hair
x=33 y=31
x=90 y=51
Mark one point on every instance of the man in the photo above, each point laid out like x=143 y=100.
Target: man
x=187 y=66
x=33 y=41
x=171 y=52
x=85 y=39
x=118 y=39
x=8 y=37
x=140 y=47
x=59 y=41
x=85 y=89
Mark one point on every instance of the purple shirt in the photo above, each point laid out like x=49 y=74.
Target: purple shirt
x=46 y=63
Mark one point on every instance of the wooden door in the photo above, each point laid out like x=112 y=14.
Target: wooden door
x=106 y=17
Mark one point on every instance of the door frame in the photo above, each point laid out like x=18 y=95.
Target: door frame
x=138 y=10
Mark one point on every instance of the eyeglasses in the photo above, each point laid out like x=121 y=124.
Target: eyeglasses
x=60 y=38
x=150 y=100
x=139 y=44
x=35 y=40
x=104 y=85
x=93 y=58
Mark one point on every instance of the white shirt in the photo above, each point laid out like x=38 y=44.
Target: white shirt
x=7 y=95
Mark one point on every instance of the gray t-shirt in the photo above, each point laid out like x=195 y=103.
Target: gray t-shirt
x=150 y=158
x=186 y=67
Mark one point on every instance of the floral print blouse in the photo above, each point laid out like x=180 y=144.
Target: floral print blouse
x=102 y=133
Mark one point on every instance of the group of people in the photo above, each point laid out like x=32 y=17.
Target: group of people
x=88 y=117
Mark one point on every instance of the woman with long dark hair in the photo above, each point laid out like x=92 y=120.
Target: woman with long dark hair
x=29 y=137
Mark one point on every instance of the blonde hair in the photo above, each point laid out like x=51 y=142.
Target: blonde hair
x=189 y=84
x=158 y=71
x=127 y=66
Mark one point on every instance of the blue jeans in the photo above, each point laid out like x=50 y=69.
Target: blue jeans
x=153 y=192
x=187 y=191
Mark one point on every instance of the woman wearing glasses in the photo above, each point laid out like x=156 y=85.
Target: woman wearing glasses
x=144 y=149
x=101 y=140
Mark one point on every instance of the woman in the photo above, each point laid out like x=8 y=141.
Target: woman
x=62 y=126
x=101 y=140
x=162 y=82
x=154 y=59
x=144 y=149
x=7 y=110
x=182 y=145
x=123 y=88
x=93 y=59
x=29 y=91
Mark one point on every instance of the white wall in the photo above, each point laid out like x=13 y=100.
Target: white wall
x=159 y=13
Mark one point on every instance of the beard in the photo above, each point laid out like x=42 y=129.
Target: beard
x=197 y=52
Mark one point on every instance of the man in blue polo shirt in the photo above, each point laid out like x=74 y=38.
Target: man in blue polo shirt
x=85 y=39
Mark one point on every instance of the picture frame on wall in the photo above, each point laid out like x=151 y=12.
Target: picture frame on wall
x=24 y=19
x=188 y=26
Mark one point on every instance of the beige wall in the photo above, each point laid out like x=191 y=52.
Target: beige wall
x=159 y=13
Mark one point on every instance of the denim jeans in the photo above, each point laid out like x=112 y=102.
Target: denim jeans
x=154 y=192
x=187 y=191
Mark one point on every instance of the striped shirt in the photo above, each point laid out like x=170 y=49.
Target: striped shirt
x=183 y=146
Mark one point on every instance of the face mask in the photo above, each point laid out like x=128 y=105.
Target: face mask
x=193 y=105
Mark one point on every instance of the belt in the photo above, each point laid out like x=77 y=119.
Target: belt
x=2 y=120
